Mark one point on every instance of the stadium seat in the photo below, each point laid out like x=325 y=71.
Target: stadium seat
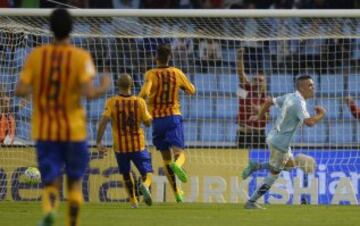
x=201 y=107
x=228 y=83
x=331 y=84
x=185 y=101
x=341 y=132
x=19 y=57
x=91 y=129
x=230 y=132
x=23 y=130
x=190 y=131
x=357 y=134
x=354 y=84
x=229 y=55
x=332 y=107
x=226 y=107
x=205 y=82
x=81 y=28
x=7 y=81
x=212 y=131
x=314 y=135
x=96 y=108
x=107 y=139
x=280 y=84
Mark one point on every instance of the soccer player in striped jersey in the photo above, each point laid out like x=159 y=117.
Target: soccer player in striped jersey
x=57 y=75
x=161 y=88
x=127 y=113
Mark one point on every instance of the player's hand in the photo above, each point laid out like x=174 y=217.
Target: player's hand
x=101 y=148
x=240 y=52
x=253 y=118
x=348 y=100
x=105 y=81
x=23 y=103
x=320 y=110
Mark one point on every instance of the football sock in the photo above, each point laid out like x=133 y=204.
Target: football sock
x=50 y=199
x=74 y=203
x=129 y=185
x=170 y=175
x=147 y=179
x=268 y=182
x=180 y=159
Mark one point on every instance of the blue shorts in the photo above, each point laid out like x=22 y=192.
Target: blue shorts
x=55 y=157
x=141 y=159
x=168 y=132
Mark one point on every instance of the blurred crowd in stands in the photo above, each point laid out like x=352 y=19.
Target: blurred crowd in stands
x=187 y=4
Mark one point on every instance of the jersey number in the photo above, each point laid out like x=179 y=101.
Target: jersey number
x=128 y=122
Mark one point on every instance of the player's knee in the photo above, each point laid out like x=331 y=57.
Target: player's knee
x=275 y=170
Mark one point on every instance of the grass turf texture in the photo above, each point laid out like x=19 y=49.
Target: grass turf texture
x=29 y=213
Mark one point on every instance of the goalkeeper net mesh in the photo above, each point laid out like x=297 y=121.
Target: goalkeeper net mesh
x=220 y=142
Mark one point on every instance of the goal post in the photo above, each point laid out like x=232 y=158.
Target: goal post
x=276 y=44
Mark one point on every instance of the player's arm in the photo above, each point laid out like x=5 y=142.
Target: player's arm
x=186 y=85
x=145 y=90
x=24 y=85
x=105 y=118
x=146 y=117
x=263 y=110
x=244 y=81
x=355 y=111
x=92 y=92
x=86 y=75
x=320 y=113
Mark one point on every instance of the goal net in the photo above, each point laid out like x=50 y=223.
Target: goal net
x=219 y=52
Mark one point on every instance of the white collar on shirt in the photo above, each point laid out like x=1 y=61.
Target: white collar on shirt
x=297 y=93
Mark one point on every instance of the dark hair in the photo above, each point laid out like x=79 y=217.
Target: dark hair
x=61 y=23
x=301 y=78
x=163 y=53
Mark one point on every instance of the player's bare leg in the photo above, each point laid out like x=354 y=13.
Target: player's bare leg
x=167 y=158
x=176 y=166
x=50 y=202
x=75 y=201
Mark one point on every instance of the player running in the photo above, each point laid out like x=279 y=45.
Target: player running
x=162 y=86
x=57 y=75
x=293 y=113
x=126 y=113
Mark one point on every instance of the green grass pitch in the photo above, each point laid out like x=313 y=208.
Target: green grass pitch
x=188 y=214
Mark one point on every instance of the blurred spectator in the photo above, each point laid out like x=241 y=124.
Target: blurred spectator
x=103 y=4
x=7 y=121
x=213 y=4
x=182 y=49
x=189 y=4
x=354 y=109
x=282 y=4
x=210 y=54
x=126 y=4
x=158 y=4
x=252 y=95
x=7 y=117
